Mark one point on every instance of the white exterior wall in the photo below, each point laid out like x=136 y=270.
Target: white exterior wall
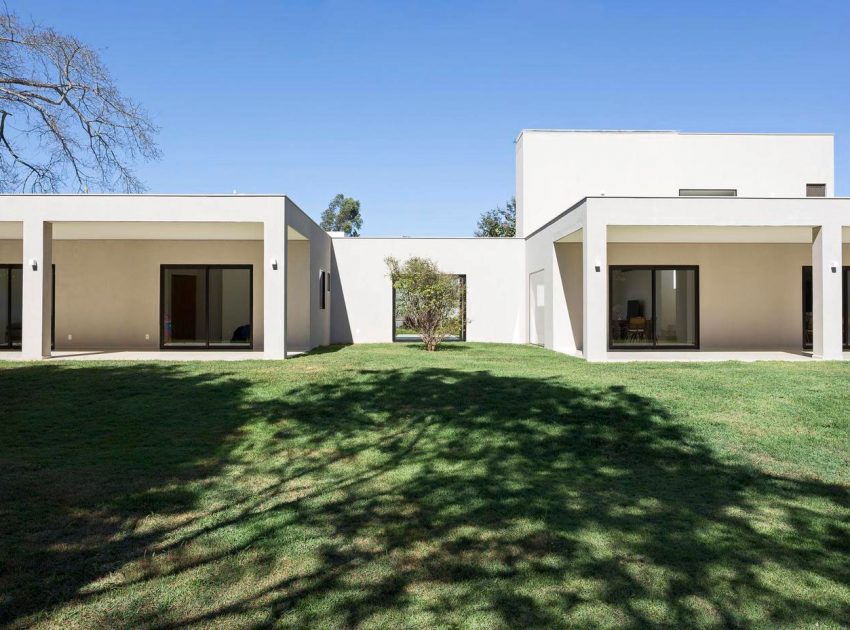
x=561 y=320
x=319 y=259
x=495 y=285
x=556 y=169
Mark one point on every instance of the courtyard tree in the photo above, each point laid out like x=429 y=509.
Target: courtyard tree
x=64 y=124
x=499 y=221
x=342 y=215
x=427 y=299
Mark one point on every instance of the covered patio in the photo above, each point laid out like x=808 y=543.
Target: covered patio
x=692 y=279
x=161 y=277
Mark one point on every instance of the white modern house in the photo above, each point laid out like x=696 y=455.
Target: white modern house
x=629 y=243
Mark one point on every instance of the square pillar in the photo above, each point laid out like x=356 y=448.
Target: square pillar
x=274 y=288
x=37 y=281
x=826 y=292
x=595 y=260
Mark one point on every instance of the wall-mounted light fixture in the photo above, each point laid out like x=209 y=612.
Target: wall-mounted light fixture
x=273 y=262
x=834 y=266
x=34 y=264
x=597 y=265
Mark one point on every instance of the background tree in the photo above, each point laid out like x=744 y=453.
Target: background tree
x=427 y=299
x=63 y=122
x=342 y=215
x=499 y=221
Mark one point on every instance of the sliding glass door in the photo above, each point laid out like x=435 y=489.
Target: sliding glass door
x=653 y=307
x=206 y=306
x=12 y=306
x=808 y=296
x=11 y=293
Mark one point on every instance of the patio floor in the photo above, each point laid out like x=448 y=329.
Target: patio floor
x=148 y=355
x=789 y=354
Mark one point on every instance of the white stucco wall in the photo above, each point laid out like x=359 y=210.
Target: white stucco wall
x=319 y=256
x=555 y=169
x=495 y=284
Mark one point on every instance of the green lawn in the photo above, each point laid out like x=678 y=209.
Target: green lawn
x=482 y=485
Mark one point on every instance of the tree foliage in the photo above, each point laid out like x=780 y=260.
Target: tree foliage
x=499 y=221
x=427 y=299
x=342 y=215
x=63 y=122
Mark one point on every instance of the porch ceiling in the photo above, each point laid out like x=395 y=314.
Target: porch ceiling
x=703 y=234
x=708 y=234
x=149 y=230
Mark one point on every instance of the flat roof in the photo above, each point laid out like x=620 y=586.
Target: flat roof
x=678 y=132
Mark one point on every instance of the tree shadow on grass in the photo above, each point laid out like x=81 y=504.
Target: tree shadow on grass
x=89 y=452
x=430 y=497
x=453 y=496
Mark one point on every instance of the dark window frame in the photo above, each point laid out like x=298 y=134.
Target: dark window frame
x=654 y=347
x=462 y=277
x=10 y=345
x=207 y=345
x=845 y=306
x=323 y=283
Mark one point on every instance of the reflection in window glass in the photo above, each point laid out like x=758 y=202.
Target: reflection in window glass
x=184 y=308
x=230 y=307
x=16 y=296
x=631 y=307
x=675 y=304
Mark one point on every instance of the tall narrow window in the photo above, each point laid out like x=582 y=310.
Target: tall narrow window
x=206 y=306
x=815 y=190
x=323 y=281
x=653 y=307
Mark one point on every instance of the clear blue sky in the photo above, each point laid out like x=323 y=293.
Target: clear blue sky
x=413 y=108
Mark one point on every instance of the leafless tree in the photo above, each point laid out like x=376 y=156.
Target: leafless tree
x=63 y=122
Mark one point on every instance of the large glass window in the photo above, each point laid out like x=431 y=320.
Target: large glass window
x=206 y=306
x=11 y=305
x=653 y=307
x=403 y=331
x=808 y=299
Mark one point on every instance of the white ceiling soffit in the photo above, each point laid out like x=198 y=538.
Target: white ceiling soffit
x=294 y=235
x=11 y=230
x=148 y=230
x=708 y=234
x=145 y=230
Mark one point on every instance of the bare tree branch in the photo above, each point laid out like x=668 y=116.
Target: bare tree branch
x=63 y=122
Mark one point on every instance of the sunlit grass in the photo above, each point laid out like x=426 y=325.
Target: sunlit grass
x=481 y=485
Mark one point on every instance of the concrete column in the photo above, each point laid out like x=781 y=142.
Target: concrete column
x=274 y=288
x=595 y=260
x=826 y=292
x=37 y=307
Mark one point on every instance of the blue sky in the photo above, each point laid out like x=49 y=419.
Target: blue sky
x=413 y=107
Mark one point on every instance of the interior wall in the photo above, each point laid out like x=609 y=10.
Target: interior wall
x=570 y=266
x=298 y=295
x=107 y=291
x=750 y=295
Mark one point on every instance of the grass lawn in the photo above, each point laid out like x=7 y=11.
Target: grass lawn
x=482 y=485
